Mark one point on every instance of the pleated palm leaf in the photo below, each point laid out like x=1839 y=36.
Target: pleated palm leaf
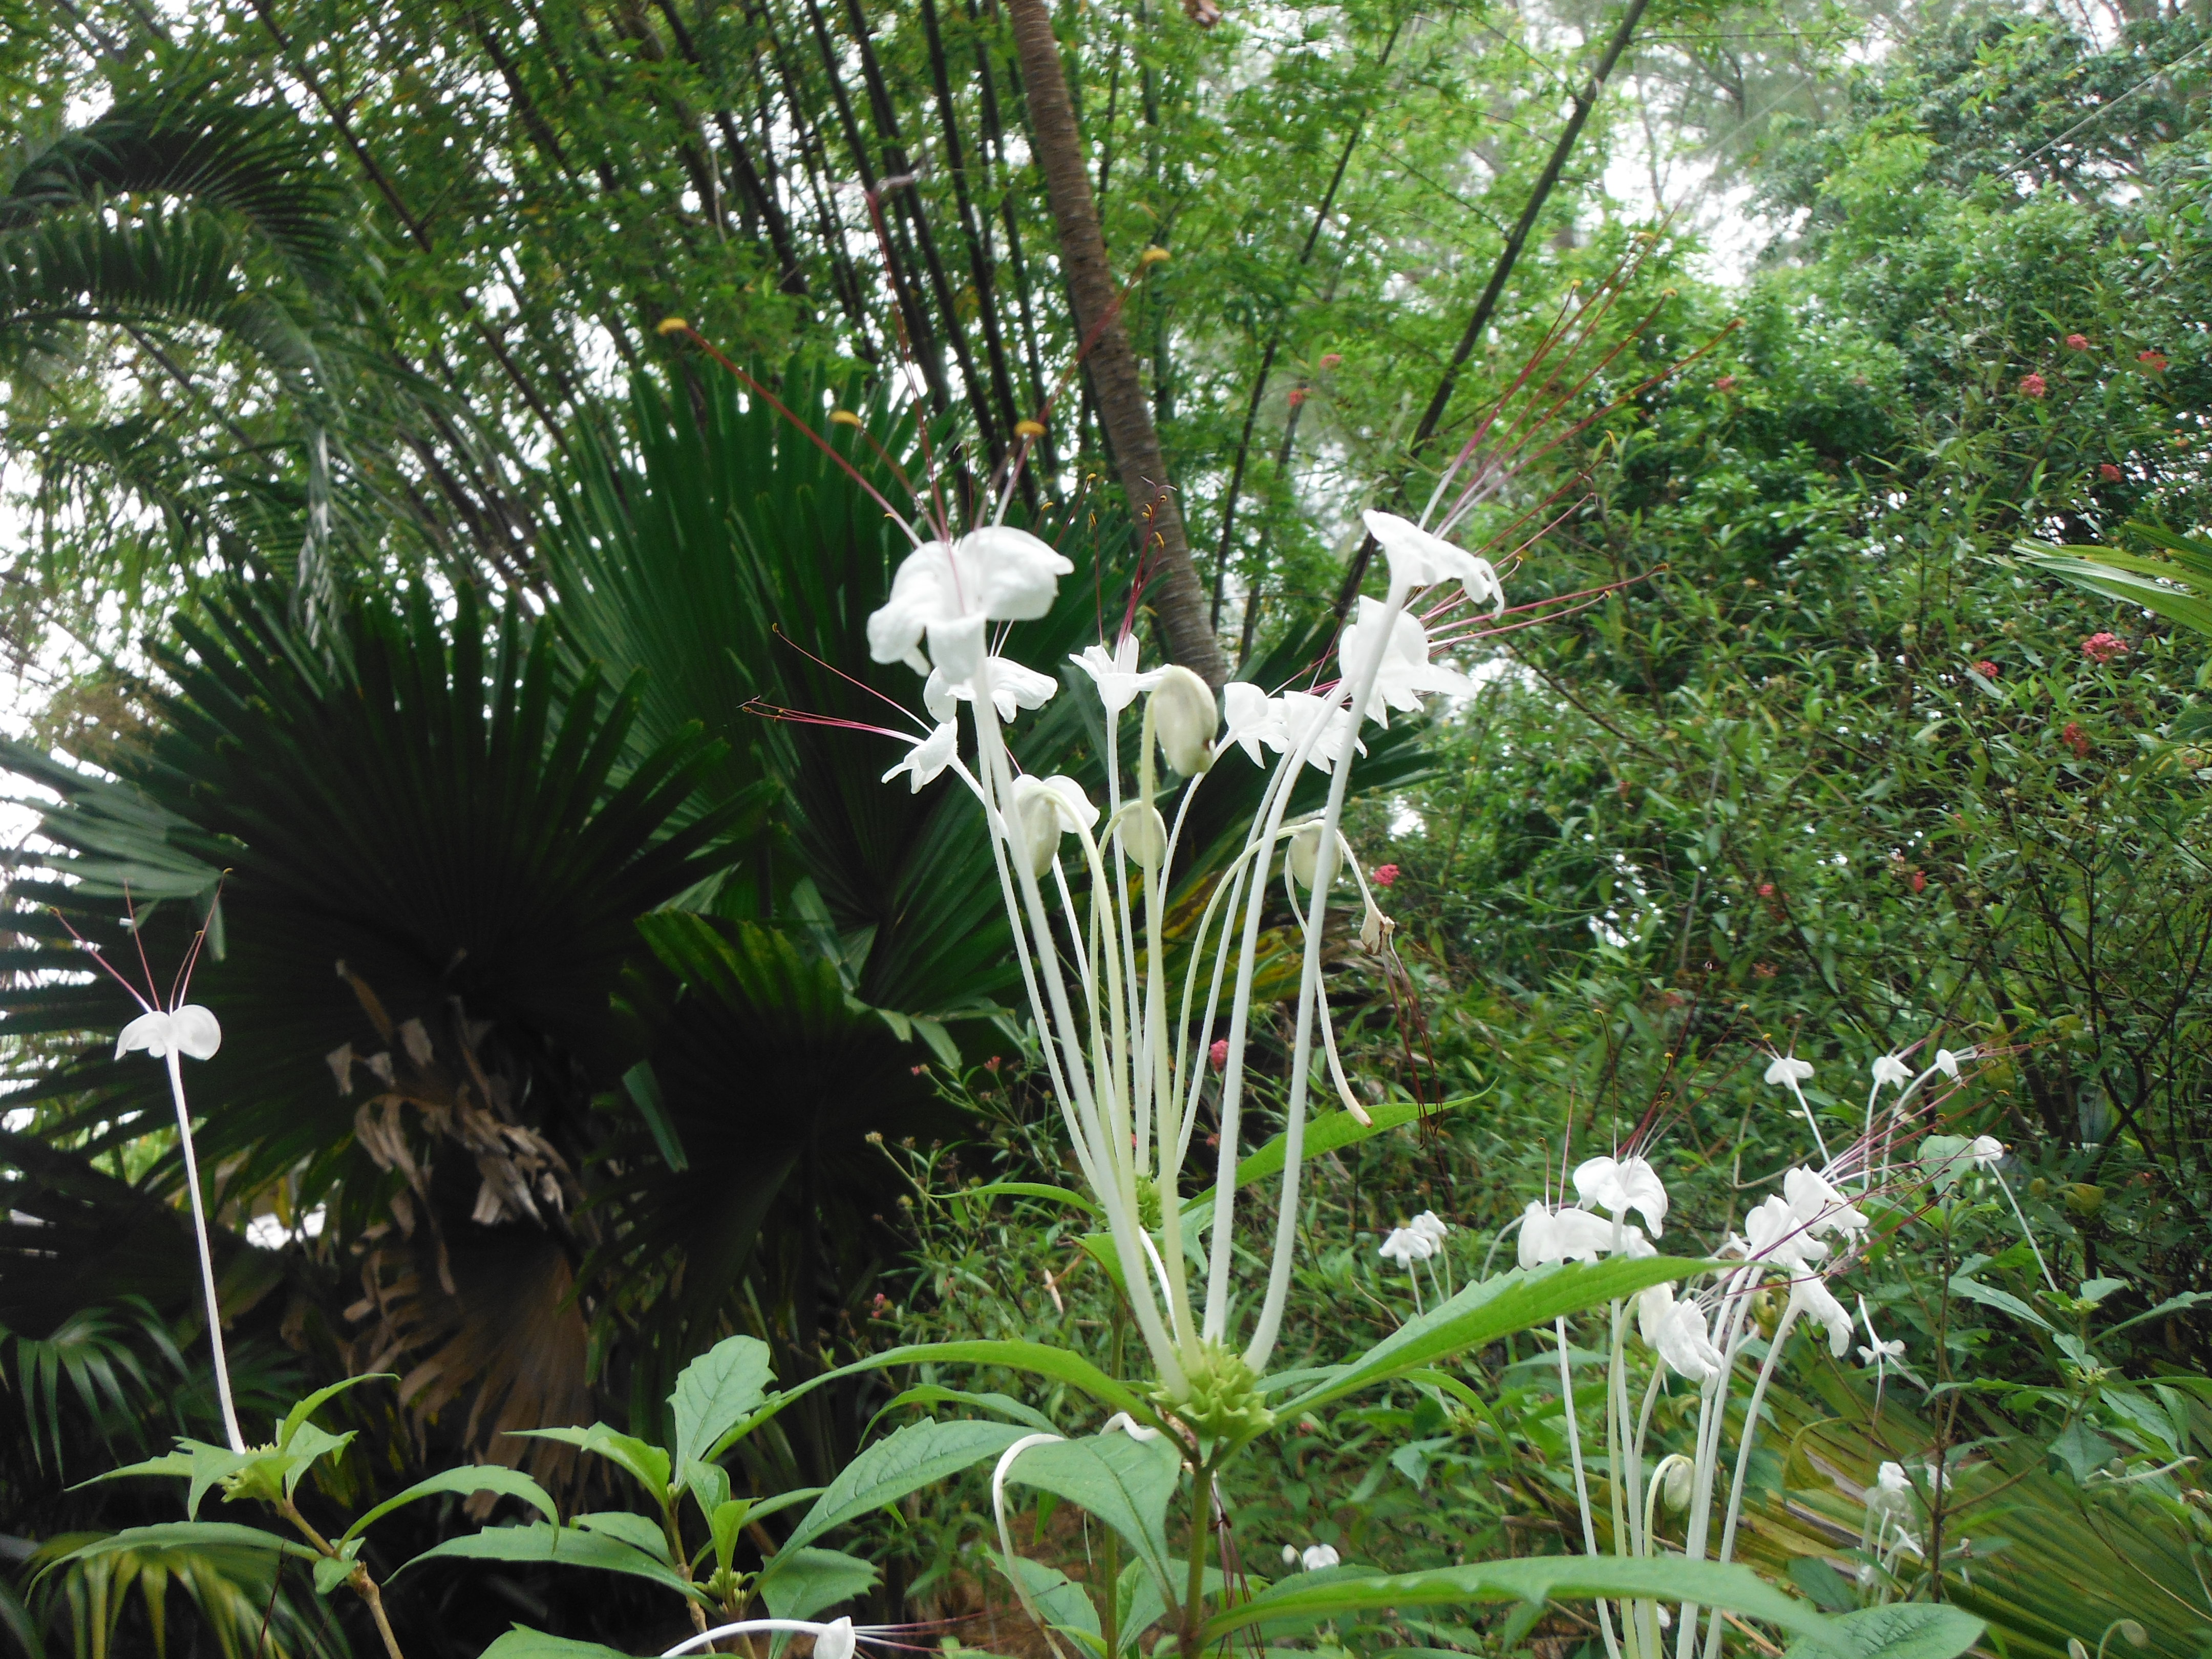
x=436 y=863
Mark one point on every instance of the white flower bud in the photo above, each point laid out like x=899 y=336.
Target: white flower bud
x=1046 y=809
x=1184 y=720
x=1305 y=853
x=1676 y=1479
x=835 y=1642
x=1144 y=833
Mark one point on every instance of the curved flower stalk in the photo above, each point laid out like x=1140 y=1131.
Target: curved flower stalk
x=169 y=1032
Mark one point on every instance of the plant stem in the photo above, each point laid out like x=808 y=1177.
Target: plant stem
x=206 y=1253
x=1193 y=1600
x=358 y=1580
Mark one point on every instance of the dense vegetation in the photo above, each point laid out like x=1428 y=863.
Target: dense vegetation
x=402 y=609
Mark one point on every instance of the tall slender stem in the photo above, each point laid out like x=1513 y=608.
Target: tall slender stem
x=207 y=1252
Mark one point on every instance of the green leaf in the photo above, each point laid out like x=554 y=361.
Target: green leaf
x=306 y=1408
x=1903 y=1630
x=1035 y=1358
x=1311 y=1598
x=918 y=1456
x=2172 y=1304
x=480 y=1477
x=177 y=1463
x=1064 y=1603
x=1494 y=1308
x=1124 y=1482
x=716 y=1390
x=1989 y=1296
x=639 y=1532
x=333 y=1571
x=568 y=1547
x=523 y=1643
x=708 y=1485
x=643 y=1087
x=1033 y=1189
x=188 y=1535
x=648 y=1465
x=1004 y=1405
x=309 y=1445
x=1830 y=1590
x=801 y=1584
x=726 y=1522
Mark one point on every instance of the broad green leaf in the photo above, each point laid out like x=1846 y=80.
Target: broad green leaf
x=308 y=1445
x=640 y=1534
x=648 y=1465
x=568 y=1547
x=1904 y=1629
x=1002 y=1405
x=1033 y=1189
x=333 y=1571
x=918 y=1456
x=1064 y=1604
x=306 y=1408
x=212 y=1464
x=1494 y=1308
x=188 y=1535
x=717 y=1390
x=1989 y=1297
x=523 y=1643
x=2172 y=1304
x=1326 y=1133
x=708 y=1485
x=479 y=1477
x=1122 y=1482
x=1311 y=1598
x=801 y=1584
x=1038 y=1358
x=177 y=1463
x=726 y=1521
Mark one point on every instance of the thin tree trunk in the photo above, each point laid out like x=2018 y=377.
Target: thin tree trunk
x=1124 y=413
x=1432 y=416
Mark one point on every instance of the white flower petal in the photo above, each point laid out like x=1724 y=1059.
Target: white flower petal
x=150 y=1031
x=196 y=1031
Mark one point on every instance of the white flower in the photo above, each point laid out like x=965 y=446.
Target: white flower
x=1290 y=1555
x=1788 y=1070
x=1987 y=1151
x=1889 y=1068
x=1406 y=675
x=1253 y=718
x=1811 y=1295
x=1548 y=1236
x=1891 y=1493
x=835 y=1641
x=949 y=593
x=1774 y=1234
x=929 y=757
x=1405 y=1247
x=1013 y=688
x=1621 y=1185
x=1818 y=1206
x=1431 y=1226
x=1420 y=560
x=1117 y=674
x=1948 y=1061
x=1882 y=1353
x=1301 y=712
x=1318 y=1556
x=191 y=1030
x=1184 y=720
x=1677 y=1330
x=1046 y=809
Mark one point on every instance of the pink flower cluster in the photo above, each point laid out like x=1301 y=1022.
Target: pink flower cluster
x=2101 y=647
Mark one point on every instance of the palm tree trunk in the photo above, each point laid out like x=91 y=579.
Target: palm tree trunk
x=1124 y=413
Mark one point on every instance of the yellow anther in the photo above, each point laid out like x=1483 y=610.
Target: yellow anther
x=1153 y=256
x=843 y=417
x=673 y=325
x=1028 y=428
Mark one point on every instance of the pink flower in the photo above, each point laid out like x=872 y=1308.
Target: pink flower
x=2032 y=386
x=2103 y=647
x=1330 y=359
x=1762 y=970
x=993 y=1064
x=1726 y=383
x=1919 y=882
x=1385 y=874
x=2154 y=361
x=1986 y=669
x=2108 y=473
x=2077 y=342
x=1297 y=396
x=2076 y=739
x=1219 y=1052
x=1766 y=890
